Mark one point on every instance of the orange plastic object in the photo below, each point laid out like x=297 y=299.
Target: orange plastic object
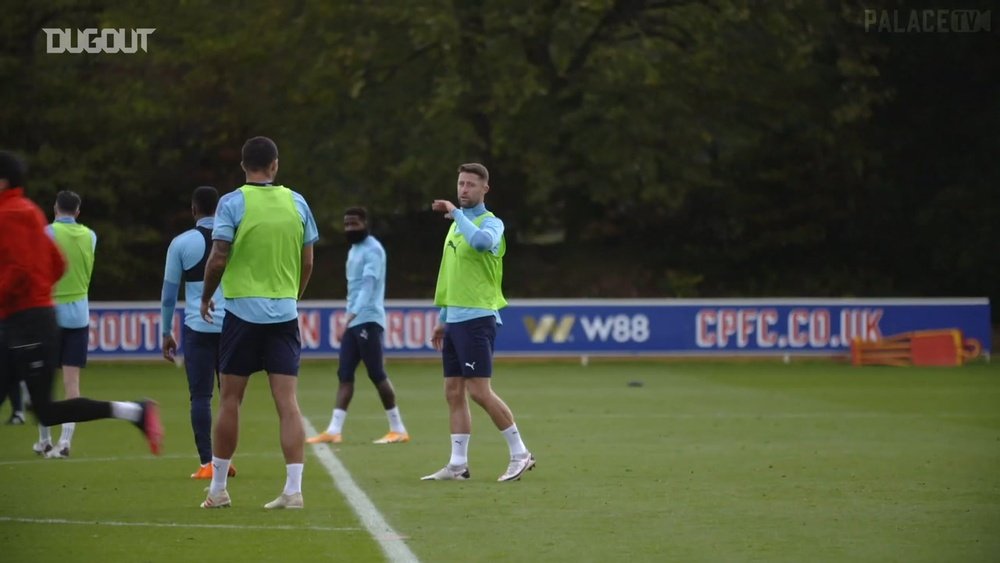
x=920 y=348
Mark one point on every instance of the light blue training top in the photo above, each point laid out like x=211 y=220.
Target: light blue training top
x=261 y=310
x=75 y=314
x=485 y=237
x=184 y=253
x=366 y=282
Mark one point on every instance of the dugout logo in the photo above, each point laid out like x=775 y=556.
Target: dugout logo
x=93 y=40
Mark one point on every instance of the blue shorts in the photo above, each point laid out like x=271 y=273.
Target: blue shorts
x=73 y=344
x=362 y=343
x=245 y=347
x=468 y=348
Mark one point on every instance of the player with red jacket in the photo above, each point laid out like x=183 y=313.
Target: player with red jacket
x=30 y=265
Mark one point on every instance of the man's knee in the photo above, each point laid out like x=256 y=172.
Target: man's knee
x=481 y=397
x=455 y=395
x=38 y=376
x=383 y=384
x=377 y=376
x=229 y=402
x=345 y=374
x=286 y=402
x=288 y=413
x=201 y=400
x=480 y=391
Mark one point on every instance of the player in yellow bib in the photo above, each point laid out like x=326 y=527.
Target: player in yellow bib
x=470 y=296
x=262 y=253
x=77 y=243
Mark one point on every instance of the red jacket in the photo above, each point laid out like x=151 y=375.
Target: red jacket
x=30 y=261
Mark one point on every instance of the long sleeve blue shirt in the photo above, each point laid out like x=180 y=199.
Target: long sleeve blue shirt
x=185 y=251
x=484 y=238
x=366 y=270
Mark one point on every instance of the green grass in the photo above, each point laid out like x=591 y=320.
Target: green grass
x=705 y=462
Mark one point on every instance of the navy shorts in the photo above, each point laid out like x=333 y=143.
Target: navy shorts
x=73 y=344
x=468 y=348
x=362 y=343
x=245 y=347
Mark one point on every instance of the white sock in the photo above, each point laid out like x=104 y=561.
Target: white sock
x=66 y=437
x=395 y=420
x=514 y=441
x=220 y=474
x=459 y=450
x=337 y=422
x=293 y=478
x=126 y=411
x=44 y=435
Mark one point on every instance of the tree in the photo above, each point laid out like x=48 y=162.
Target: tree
x=699 y=148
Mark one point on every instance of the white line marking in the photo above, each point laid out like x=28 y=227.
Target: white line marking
x=765 y=416
x=172 y=525
x=194 y=459
x=726 y=415
x=391 y=541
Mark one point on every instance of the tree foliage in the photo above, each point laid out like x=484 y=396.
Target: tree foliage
x=637 y=147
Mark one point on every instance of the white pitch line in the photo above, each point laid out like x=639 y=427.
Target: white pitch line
x=762 y=416
x=39 y=459
x=172 y=525
x=736 y=415
x=388 y=539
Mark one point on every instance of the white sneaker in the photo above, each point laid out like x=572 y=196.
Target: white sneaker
x=42 y=448
x=518 y=465
x=220 y=500
x=449 y=473
x=60 y=452
x=293 y=500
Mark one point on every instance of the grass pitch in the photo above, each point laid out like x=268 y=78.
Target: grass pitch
x=703 y=462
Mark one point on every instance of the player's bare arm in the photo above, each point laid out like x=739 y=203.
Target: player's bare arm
x=307 y=269
x=215 y=266
x=437 y=339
